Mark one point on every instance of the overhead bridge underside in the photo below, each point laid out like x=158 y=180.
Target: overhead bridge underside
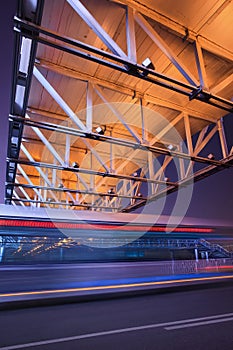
x=113 y=115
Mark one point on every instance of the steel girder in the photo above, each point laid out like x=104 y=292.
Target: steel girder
x=160 y=185
x=87 y=194
x=24 y=57
x=192 y=89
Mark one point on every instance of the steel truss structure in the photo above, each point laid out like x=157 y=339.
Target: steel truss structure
x=138 y=156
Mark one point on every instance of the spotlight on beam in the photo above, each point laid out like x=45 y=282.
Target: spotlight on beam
x=171 y=147
x=211 y=156
x=101 y=129
x=60 y=185
x=147 y=64
x=75 y=165
x=111 y=191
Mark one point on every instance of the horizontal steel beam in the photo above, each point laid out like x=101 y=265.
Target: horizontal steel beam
x=66 y=189
x=121 y=142
x=88 y=171
x=77 y=205
x=30 y=30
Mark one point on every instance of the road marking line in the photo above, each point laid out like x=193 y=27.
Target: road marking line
x=114 y=286
x=214 y=319
x=199 y=324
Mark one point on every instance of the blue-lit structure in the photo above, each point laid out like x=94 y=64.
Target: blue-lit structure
x=37 y=235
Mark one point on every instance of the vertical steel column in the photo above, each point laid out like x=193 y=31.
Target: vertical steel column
x=151 y=171
x=143 y=122
x=222 y=137
x=7 y=39
x=2 y=246
x=89 y=107
x=130 y=35
x=112 y=167
x=201 y=65
x=92 y=184
x=67 y=151
x=196 y=254
x=181 y=162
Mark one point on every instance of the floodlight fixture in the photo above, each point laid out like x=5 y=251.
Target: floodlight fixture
x=148 y=63
x=100 y=129
x=171 y=147
x=75 y=165
x=111 y=191
x=211 y=156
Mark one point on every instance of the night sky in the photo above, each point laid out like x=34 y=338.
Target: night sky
x=212 y=197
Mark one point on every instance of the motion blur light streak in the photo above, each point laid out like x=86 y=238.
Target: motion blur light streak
x=131 y=285
x=122 y=226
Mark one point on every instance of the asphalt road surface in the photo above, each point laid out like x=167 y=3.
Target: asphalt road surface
x=189 y=320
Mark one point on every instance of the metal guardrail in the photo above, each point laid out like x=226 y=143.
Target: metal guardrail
x=215 y=248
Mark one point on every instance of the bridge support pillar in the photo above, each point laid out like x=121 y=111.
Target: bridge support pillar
x=1 y=252
x=196 y=254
